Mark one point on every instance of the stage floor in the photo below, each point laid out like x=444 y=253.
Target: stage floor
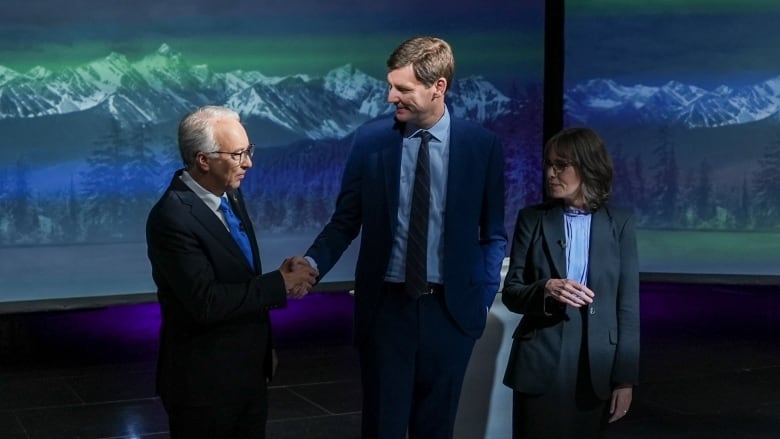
x=710 y=368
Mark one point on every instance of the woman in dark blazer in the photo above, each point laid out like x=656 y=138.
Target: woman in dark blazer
x=573 y=274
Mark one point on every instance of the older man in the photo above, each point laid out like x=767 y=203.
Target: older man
x=215 y=349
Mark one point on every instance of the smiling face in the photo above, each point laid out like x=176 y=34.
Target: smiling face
x=221 y=171
x=415 y=102
x=563 y=180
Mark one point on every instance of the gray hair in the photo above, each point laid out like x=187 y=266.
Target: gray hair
x=196 y=131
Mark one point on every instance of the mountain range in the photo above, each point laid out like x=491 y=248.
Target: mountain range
x=673 y=103
x=162 y=86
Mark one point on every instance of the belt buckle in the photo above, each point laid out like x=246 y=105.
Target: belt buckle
x=430 y=289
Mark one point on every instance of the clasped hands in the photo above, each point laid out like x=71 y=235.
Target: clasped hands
x=569 y=292
x=299 y=276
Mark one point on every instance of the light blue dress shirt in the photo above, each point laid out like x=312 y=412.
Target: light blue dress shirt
x=439 y=148
x=577 y=244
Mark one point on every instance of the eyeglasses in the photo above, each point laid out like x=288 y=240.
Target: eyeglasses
x=238 y=156
x=557 y=166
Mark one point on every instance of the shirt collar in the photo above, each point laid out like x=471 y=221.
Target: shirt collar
x=438 y=131
x=211 y=200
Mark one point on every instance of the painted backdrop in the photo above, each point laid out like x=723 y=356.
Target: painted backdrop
x=687 y=96
x=91 y=94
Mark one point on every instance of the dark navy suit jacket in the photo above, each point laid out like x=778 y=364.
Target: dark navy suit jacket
x=215 y=335
x=537 y=255
x=474 y=237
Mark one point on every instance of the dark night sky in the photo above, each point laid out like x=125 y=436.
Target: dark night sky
x=498 y=38
x=707 y=43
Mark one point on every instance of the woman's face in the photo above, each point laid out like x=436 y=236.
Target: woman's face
x=563 y=180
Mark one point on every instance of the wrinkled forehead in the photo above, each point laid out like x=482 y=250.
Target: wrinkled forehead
x=230 y=133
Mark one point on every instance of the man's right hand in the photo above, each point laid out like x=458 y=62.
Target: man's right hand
x=299 y=276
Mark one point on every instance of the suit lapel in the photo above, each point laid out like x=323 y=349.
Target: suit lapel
x=392 y=145
x=201 y=213
x=238 y=206
x=600 y=240
x=555 y=238
x=208 y=219
x=457 y=166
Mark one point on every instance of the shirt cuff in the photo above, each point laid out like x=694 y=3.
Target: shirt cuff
x=312 y=262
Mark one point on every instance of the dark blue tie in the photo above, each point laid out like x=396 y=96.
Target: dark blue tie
x=237 y=230
x=417 y=239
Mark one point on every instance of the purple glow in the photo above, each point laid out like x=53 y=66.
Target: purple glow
x=317 y=316
x=130 y=332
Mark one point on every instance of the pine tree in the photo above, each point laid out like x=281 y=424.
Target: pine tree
x=521 y=137
x=24 y=226
x=142 y=181
x=105 y=206
x=702 y=193
x=640 y=203
x=5 y=208
x=624 y=191
x=688 y=215
x=766 y=188
x=71 y=220
x=120 y=186
x=744 y=219
x=664 y=192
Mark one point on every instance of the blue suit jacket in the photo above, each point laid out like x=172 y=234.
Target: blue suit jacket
x=612 y=319
x=474 y=237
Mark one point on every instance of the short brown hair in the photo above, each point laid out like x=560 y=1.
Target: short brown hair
x=430 y=57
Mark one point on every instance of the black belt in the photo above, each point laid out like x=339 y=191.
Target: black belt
x=400 y=287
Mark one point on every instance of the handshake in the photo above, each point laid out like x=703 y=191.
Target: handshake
x=299 y=276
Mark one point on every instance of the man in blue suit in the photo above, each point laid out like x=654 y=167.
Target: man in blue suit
x=415 y=339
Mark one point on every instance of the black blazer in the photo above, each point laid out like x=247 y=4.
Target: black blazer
x=538 y=255
x=215 y=335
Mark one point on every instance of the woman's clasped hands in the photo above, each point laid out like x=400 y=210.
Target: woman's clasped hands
x=569 y=292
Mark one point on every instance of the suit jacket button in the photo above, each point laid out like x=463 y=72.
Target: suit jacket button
x=592 y=310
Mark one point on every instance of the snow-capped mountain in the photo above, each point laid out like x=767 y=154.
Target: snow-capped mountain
x=6 y=75
x=673 y=103
x=477 y=99
x=162 y=87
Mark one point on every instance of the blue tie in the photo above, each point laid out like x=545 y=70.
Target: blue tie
x=236 y=230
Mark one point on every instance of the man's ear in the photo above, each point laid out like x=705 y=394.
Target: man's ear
x=202 y=163
x=440 y=87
